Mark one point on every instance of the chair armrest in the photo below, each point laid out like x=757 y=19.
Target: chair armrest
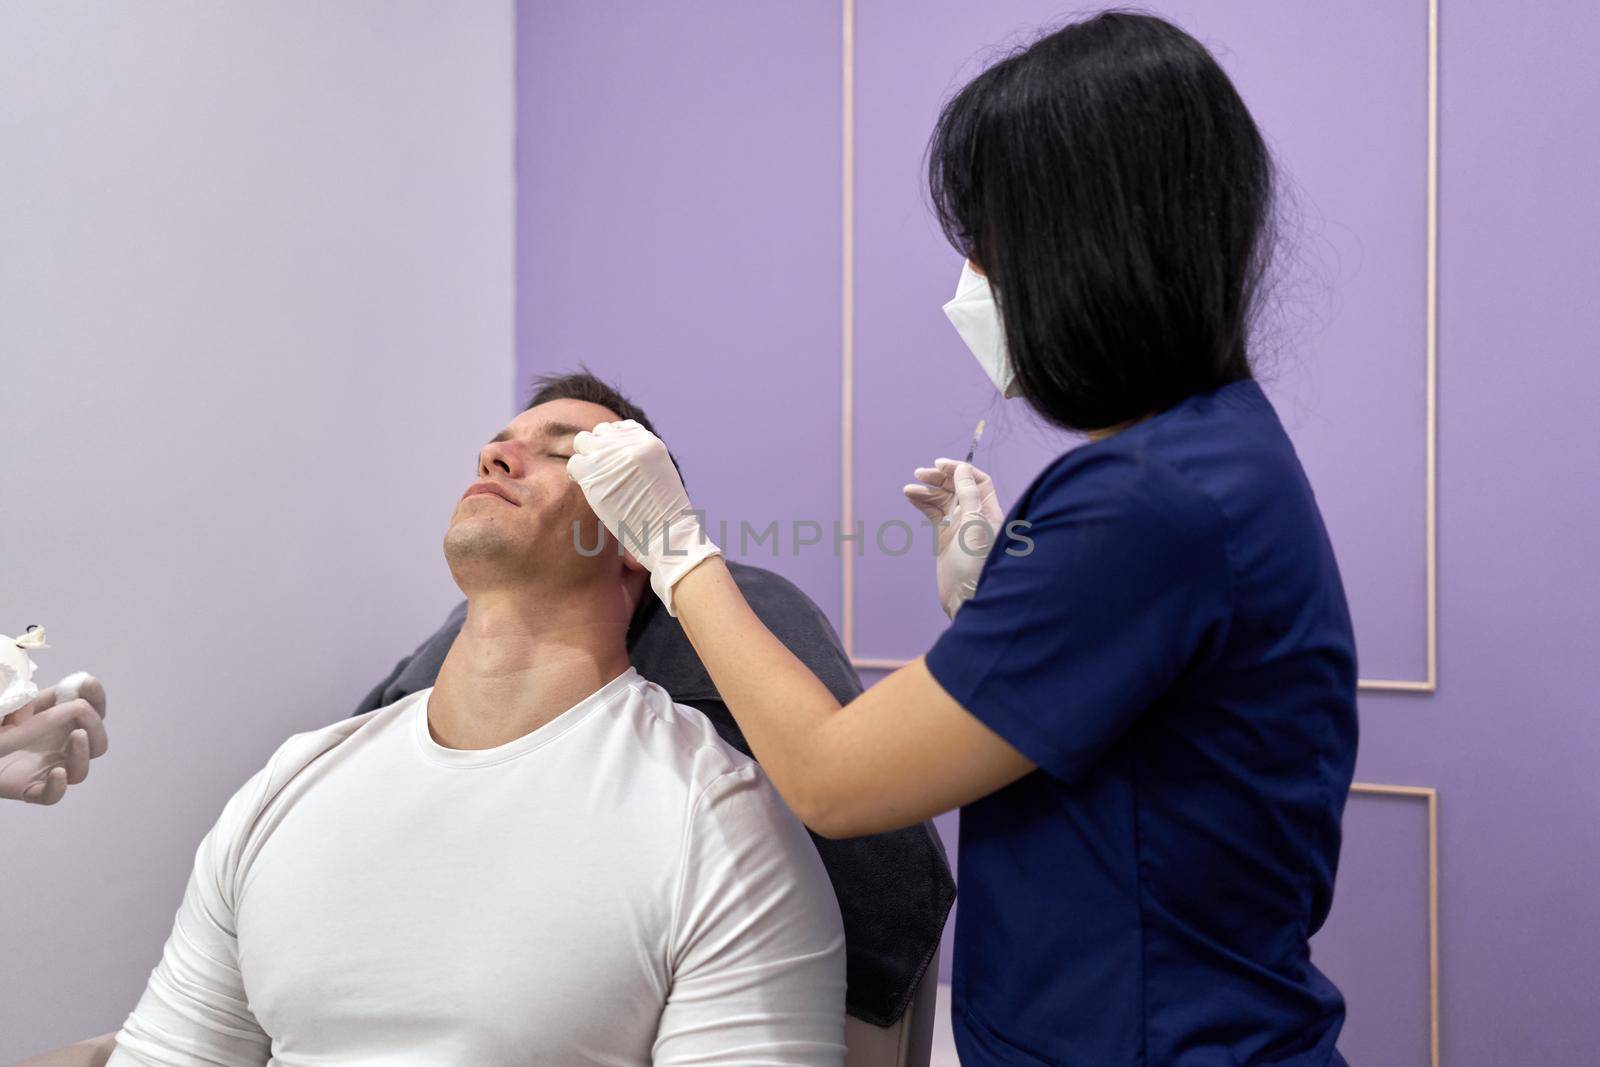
x=909 y=1042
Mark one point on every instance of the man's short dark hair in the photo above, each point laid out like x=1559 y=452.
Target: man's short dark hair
x=581 y=384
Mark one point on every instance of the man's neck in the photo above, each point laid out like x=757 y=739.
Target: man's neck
x=522 y=658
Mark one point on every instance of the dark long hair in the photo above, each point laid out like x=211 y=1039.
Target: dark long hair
x=1113 y=187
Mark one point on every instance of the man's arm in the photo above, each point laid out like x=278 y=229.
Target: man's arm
x=194 y=1010
x=757 y=952
x=90 y=1053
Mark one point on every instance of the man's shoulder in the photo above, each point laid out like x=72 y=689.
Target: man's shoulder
x=299 y=752
x=253 y=808
x=687 y=739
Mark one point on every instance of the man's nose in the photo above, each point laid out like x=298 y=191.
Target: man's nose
x=496 y=457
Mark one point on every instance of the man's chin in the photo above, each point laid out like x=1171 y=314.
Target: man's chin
x=481 y=545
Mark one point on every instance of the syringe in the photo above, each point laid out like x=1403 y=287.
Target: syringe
x=973 y=447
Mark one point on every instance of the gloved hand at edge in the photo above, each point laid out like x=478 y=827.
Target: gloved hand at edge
x=46 y=744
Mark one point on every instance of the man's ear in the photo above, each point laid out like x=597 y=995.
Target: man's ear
x=635 y=581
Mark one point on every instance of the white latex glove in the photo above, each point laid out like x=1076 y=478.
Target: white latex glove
x=46 y=744
x=629 y=480
x=959 y=498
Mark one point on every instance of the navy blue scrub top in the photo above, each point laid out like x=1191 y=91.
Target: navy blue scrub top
x=1175 y=654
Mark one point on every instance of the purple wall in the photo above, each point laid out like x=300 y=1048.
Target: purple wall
x=679 y=222
x=678 y=230
x=1349 y=383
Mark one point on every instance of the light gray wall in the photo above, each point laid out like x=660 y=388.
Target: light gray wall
x=255 y=318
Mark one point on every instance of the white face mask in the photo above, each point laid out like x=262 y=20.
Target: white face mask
x=976 y=318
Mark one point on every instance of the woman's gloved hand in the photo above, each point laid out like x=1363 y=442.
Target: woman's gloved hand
x=960 y=499
x=46 y=744
x=629 y=480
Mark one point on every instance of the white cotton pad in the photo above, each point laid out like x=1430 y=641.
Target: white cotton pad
x=16 y=679
x=16 y=669
x=67 y=688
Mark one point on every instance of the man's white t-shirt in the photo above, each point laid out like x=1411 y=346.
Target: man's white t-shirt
x=617 y=887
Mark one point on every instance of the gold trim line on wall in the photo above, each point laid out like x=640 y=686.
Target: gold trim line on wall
x=1430 y=796
x=1428 y=684
x=847 y=318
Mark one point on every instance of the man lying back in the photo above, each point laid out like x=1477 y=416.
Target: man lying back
x=540 y=860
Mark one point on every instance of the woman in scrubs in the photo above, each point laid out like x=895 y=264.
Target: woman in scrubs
x=1145 y=702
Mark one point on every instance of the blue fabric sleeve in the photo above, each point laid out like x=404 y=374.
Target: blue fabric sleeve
x=1125 y=587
